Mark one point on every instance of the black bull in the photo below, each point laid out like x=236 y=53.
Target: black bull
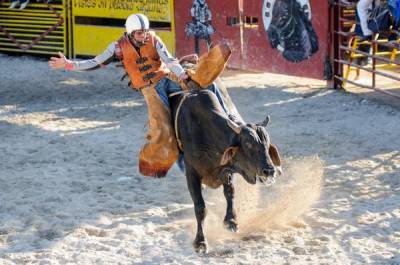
x=214 y=148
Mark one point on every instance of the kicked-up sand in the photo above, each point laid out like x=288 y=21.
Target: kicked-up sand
x=70 y=191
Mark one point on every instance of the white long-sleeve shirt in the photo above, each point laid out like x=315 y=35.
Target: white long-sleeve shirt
x=113 y=51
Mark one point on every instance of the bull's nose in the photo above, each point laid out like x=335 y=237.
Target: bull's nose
x=268 y=171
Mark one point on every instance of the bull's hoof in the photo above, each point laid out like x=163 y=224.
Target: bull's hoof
x=231 y=225
x=200 y=247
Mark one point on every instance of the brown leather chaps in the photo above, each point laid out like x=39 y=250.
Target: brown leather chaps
x=160 y=151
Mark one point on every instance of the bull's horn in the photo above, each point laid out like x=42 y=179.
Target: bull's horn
x=265 y=122
x=236 y=128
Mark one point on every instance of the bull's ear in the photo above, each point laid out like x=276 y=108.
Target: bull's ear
x=228 y=155
x=274 y=155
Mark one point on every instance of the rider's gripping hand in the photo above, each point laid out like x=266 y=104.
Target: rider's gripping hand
x=183 y=76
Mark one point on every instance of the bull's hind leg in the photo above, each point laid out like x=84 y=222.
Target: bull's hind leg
x=194 y=185
x=230 y=222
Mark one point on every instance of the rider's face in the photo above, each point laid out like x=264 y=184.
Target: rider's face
x=139 y=35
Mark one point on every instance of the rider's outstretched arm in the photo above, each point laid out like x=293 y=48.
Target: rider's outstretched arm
x=100 y=60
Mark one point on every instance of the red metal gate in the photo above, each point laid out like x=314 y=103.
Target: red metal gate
x=240 y=23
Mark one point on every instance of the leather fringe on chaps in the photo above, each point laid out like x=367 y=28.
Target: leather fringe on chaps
x=160 y=151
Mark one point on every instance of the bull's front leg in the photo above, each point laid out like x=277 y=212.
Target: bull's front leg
x=194 y=185
x=230 y=222
x=226 y=176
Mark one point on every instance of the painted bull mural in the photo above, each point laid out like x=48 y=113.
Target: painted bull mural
x=289 y=29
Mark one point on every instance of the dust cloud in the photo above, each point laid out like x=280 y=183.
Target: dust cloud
x=261 y=208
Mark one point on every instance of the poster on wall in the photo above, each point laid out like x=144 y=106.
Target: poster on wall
x=200 y=27
x=96 y=23
x=289 y=28
x=154 y=10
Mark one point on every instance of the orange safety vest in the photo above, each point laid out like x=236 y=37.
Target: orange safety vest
x=143 y=68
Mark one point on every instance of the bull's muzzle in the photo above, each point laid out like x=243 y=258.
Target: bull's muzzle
x=266 y=180
x=268 y=174
x=268 y=171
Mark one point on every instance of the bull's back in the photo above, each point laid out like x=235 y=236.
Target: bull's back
x=202 y=117
x=202 y=131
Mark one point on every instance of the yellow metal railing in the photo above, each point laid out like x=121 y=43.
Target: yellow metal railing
x=40 y=28
x=379 y=54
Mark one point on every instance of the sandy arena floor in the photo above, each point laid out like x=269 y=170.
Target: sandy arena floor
x=70 y=191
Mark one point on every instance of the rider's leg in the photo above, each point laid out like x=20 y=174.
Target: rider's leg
x=214 y=88
x=160 y=151
x=164 y=88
